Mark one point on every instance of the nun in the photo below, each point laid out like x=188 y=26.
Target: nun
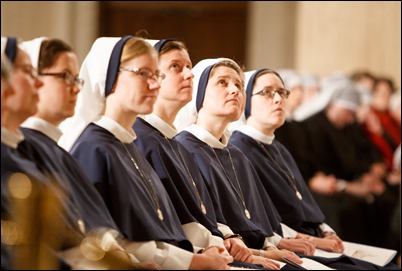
x=123 y=81
x=175 y=166
x=231 y=180
x=273 y=163
x=57 y=65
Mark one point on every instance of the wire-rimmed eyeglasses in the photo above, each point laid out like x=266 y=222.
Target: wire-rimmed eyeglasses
x=269 y=93
x=146 y=73
x=68 y=78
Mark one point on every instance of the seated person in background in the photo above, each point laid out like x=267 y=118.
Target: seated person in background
x=382 y=128
x=358 y=206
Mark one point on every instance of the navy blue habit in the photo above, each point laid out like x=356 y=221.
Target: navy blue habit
x=109 y=167
x=167 y=157
x=255 y=230
x=301 y=215
x=70 y=176
x=14 y=161
x=252 y=230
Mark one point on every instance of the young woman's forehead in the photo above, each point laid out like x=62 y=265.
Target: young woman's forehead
x=268 y=78
x=176 y=55
x=224 y=71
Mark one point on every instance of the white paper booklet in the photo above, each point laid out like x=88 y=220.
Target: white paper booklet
x=376 y=255
x=308 y=264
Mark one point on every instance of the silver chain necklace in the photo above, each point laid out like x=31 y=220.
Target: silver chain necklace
x=239 y=192
x=148 y=183
x=189 y=176
x=287 y=173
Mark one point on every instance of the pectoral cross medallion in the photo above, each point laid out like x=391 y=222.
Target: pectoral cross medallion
x=160 y=214
x=247 y=213
x=203 y=209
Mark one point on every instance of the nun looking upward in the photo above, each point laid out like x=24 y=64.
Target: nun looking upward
x=218 y=99
x=174 y=164
x=122 y=81
x=57 y=65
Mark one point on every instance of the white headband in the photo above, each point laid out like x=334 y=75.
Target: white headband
x=32 y=47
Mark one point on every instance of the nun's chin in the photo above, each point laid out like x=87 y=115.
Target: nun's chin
x=146 y=108
x=235 y=116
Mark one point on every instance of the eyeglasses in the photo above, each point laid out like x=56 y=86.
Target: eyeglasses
x=269 y=93
x=68 y=78
x=146 y=73
x=28 y=69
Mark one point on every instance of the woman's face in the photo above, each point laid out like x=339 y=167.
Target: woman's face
x=135 y=92
x=23 y=102
x=224 y=94
x=178 y=83
x=268 y=112
x=295 y=98
x=57 y=99
x=382 y=96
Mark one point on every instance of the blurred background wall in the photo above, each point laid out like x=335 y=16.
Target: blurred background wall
x=319 y=37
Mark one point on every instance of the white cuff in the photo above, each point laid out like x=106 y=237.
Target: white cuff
x=167 y=256
x=325 y=227
x=224 y=229
x=288 y=232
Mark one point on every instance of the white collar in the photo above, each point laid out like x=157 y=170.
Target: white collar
x=160 y=124
x=11 y=139
x=44 y=127
x=116 y=129
x=257 y=135
x=207 y=137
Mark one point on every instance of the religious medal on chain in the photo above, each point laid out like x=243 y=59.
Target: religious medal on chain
x=148 y=184
x=239 y=192
x=247 y=213
x=287 y=173
x=190 y=177
x=81 y=225
x=203 y=209
x=160 y=214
